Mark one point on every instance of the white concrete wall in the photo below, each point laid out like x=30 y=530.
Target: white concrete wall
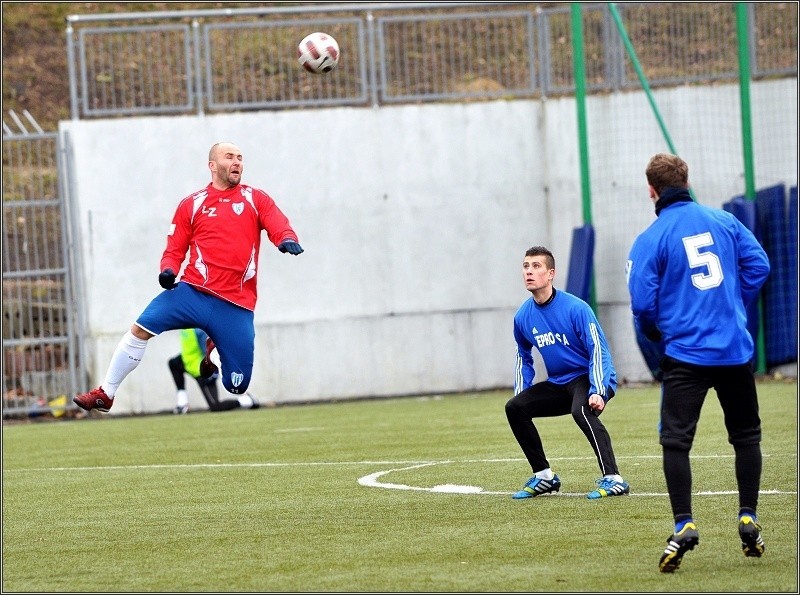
x=414 y=221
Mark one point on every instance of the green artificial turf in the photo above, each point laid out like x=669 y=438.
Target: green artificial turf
x=352 y=496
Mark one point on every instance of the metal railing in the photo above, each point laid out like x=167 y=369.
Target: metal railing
x=42 y=365
x=245 y=59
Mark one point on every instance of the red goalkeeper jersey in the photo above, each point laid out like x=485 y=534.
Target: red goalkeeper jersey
x=221 y=229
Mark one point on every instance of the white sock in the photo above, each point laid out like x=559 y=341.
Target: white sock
x=126 y=357
x=245 y=402
x=545 y=473
x=614 y=477
x=181 y=398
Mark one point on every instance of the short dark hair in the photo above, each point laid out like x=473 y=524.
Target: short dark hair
x=549 y=259
x=665 y=170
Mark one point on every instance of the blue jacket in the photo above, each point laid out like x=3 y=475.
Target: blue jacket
x=560 y=341
x=691 y=274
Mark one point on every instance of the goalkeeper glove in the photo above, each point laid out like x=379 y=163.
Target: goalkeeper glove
x=167 y=279
x=291 y=247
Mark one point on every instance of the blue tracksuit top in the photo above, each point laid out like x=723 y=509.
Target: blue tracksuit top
x=691 y=274
x=560 y=341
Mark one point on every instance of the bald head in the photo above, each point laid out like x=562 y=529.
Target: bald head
x=222 y=146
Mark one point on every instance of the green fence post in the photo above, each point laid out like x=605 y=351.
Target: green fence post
x=579 y=70
x=747 y=150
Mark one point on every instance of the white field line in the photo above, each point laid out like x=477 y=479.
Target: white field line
x=291 y=430
x=372 y=479
x=213 y=465
x=334 y=463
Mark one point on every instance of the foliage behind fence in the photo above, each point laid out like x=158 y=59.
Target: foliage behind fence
x=199 y=61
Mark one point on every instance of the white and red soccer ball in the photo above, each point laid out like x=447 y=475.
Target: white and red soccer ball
x=318 y=52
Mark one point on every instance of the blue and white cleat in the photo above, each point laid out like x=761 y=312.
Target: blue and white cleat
x=536 y=486
x=608 y=487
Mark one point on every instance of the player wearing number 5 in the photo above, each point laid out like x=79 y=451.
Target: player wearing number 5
x=691 y=275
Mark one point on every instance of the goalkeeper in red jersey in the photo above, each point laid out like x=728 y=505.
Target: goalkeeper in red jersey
x=220 y=227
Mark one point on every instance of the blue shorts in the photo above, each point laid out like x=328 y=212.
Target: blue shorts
x=229 y=326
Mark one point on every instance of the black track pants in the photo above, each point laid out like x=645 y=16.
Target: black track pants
x=684 y=389
x=550 y=400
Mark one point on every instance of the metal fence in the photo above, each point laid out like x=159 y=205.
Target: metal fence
x=243 y=59
x=42 y=366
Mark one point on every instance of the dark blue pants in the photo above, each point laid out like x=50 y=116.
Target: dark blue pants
x=229 y=326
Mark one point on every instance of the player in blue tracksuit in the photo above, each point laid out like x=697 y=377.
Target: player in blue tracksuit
x=691 y=275
x=563 y=366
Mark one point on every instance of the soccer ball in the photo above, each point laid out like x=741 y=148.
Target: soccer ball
x=318 y=53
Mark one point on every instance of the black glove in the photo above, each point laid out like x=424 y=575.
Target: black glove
x=167 y=279
x=291 y=247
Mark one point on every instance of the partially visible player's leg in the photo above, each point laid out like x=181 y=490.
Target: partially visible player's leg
x=178 y=370
x=684 y=388
x=208 y=388
x=611 y=482
x=736 y=390
x=540 y=400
